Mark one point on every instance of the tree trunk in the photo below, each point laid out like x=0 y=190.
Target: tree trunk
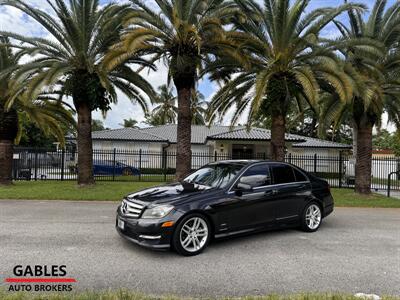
x=184 y=132
x=6 y=162
x=8 y=133
x=354 y=140
x=278 y=137
x=85 y=145
x=363 y=159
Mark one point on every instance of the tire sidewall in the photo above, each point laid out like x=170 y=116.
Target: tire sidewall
x=176 y=244
x=127 y=172
x=304 y=225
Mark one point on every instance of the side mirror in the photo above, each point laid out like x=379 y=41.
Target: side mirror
x=242 y=187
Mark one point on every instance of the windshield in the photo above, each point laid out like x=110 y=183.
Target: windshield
x=215 y=176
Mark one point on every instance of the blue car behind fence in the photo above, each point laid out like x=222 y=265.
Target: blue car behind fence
x=106 y=167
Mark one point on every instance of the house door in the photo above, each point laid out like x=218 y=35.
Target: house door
x=240 y=151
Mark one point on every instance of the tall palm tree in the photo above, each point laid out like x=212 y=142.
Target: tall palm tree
x=165 y=111
x=199 y=107
x=45 y=111
x=374 y=66
x=129 y=123
x=80 y=35
x=183 y=34
x=288 y=65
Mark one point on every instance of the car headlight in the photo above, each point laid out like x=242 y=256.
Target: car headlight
x=157 y=212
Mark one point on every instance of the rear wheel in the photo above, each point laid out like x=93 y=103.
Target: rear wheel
x=312 y=217
x=192 y=235
x=127 y=172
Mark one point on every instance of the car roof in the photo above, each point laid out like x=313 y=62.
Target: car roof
x=245 y=162
x=235 y=162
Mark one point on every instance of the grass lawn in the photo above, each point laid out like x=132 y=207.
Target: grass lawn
x=68 y=190
x=114 y=191
x=347 y=197
x=126 y=295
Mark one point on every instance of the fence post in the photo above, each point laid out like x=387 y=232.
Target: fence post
x=114 y=160
x=264 y=156
x=62 y=163
x=164 y=164
x=215 y=155
x=315 y=163
x=290 y=158
x=140 y=164
x=36 y=163
x=388 y=187
x=340 y=168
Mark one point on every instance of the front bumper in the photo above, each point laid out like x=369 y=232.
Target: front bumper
x=147 y=232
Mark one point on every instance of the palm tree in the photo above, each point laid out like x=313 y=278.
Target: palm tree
x=46 y=112
x=80 y=35
x=165 y=111
x=98 y=125
x=288 y=65
x=199 y=108
x=374 y=66
x=129 y=123
x=183 y=34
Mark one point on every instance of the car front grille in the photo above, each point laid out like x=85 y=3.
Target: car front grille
x=131 y=209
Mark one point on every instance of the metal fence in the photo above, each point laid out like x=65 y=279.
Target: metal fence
x=124 y=165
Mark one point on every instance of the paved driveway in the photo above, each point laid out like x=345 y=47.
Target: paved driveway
x=354 y=250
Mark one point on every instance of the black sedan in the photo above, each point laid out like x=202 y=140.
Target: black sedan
x=222 y=199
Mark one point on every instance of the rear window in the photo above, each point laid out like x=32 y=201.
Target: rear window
x=299 y=175
x=282 y=174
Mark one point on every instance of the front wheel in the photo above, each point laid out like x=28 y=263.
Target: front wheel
x=192 y=235
x=127 y=172
x=312 y=217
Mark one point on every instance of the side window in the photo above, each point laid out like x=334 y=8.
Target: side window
x=282 y=174
x=299 y=175
x=257 y=176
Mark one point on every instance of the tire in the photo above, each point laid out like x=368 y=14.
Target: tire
x=127 y=172
x=191 y=245
x=312 y=217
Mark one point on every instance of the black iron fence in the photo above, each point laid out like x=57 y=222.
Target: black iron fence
x=124 y=165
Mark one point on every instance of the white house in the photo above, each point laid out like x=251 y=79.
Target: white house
x=208 y=143
x=236 y=141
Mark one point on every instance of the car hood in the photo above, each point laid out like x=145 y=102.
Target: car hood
x=171 y=193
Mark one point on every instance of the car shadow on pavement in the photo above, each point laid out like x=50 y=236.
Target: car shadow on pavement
x=248 y=240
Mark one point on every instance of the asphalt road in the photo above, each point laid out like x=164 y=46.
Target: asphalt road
x=355 y=250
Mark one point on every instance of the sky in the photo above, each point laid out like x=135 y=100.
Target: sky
x=13 y=20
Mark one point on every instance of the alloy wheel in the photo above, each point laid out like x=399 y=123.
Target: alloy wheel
x=313 y=216
x=194 y=234
x=127 y=172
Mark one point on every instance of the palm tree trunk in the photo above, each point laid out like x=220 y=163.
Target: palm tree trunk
x=8 y=133
x=184 y=132
x=6 y=162
x=354 y=140
x=85 y=145
x=363 y=159
x=278 y=137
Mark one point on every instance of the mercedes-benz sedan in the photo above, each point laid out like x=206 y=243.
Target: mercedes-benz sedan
x=222 y=199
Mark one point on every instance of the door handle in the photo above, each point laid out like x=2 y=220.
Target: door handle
x=271 y=192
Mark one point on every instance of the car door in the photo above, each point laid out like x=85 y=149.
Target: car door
x=292 y=189
x=241 y=209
